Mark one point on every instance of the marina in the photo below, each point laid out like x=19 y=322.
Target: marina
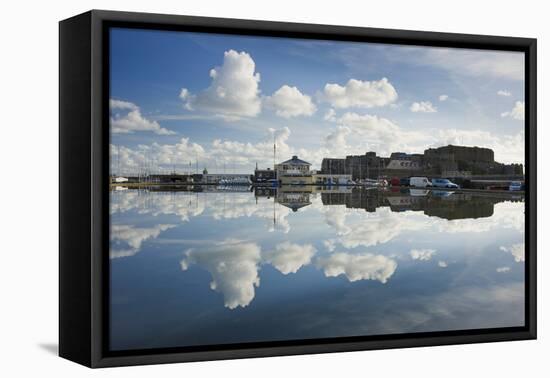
x=436 y=168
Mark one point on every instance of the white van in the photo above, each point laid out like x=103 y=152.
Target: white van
x=420 y=182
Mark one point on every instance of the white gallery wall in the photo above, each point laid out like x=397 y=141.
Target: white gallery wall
x=29 y=187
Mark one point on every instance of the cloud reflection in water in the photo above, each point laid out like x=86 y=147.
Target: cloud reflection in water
x=328 y=261
x=233 y=265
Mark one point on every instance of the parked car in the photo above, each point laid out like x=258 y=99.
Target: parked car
x=444 y=183
x=405 y=181
x=420 y=182
x=515 y=186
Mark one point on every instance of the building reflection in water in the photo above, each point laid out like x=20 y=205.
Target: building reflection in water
x=442 y=204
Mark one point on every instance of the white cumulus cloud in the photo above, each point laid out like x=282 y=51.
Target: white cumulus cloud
x=373 y=133
x=233 y=265
x=126 y=240
x=443 y=97
x=330 y=244
x=504 y=93
x=233 y=92
x=335 y=141
x=119 y=104
x=503 y=269
x=330 y=115
x=423 y=107
x=371 y=125
x=362 y=94
x=517 y=112
x=126 y=118
x=516 y=250
x=289 y=257
x=355 y=267
x=422 y=254
x=290 y=102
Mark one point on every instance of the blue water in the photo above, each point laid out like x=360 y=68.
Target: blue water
x=210 y=265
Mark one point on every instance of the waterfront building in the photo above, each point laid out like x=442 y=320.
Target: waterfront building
x=298 y=172
x=359 y=167
x=263 y=175
x=293 y=167
x=294 y=172
x=401 y=164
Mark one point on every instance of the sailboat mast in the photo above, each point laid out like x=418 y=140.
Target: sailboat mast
x=274 y=151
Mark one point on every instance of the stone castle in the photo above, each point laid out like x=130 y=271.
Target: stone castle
x=447 y=161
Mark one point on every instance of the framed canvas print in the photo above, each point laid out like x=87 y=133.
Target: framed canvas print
x=234 y=188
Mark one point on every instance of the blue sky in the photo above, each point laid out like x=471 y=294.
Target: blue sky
x=179 y=97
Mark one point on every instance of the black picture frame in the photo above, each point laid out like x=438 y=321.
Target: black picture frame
x=83 y=182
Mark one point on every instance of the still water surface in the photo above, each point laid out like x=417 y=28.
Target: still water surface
x=207 y=265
